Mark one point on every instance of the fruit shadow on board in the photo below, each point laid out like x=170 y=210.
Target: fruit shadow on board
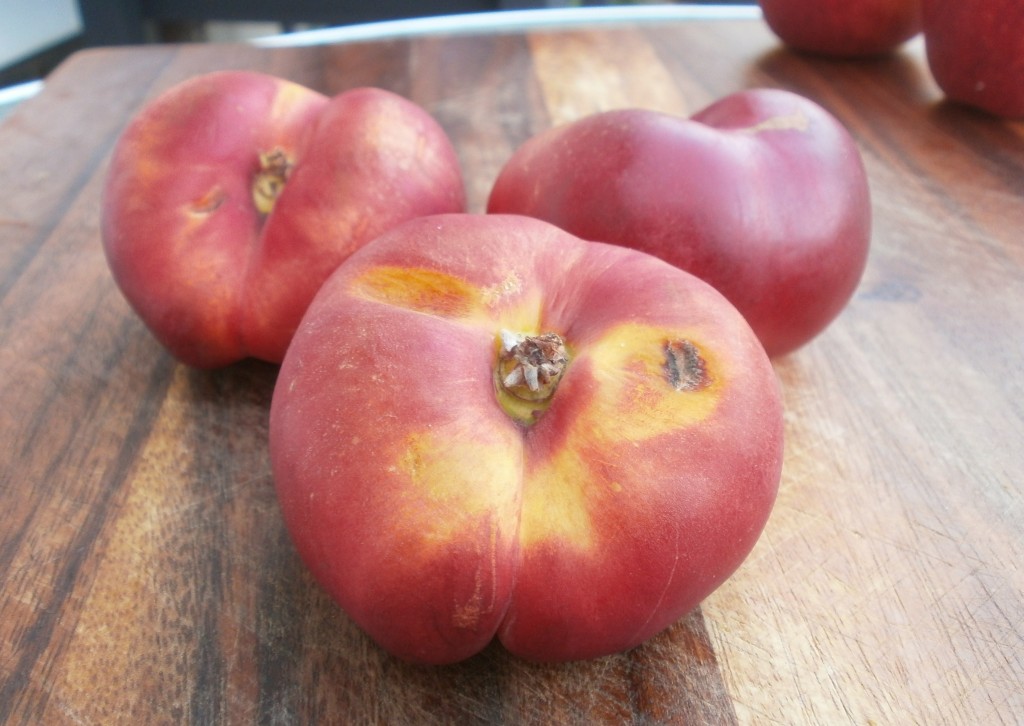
x=668 y=679
x=822 y=79
x=964 y=122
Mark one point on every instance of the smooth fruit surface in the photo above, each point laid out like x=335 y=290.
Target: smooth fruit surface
x=975 y=52
x=843 y=28
x=486 y=427
x=763 y=194
x=233 y=195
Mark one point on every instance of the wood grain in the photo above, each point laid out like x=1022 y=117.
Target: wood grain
x=145 y=574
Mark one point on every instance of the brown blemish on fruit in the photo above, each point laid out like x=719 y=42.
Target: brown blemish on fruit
x=208 y=203
x=685 y=369
x=275 y=168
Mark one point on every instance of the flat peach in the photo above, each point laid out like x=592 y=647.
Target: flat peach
x=486 y=427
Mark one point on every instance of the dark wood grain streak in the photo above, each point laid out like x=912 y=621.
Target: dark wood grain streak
x=37 y=635
x=146 y=575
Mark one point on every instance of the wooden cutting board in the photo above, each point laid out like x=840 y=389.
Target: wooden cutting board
x=145 y=574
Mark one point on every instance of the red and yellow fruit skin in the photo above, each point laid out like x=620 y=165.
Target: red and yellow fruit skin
x=763 y=194
x=439 y=522
x=215 y=278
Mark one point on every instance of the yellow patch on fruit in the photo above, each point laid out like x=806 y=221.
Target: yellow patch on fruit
x=503 y=304
x=419 y=289
x=556 y=502
x=288 y=97
x=651 y=381
x=510 y=286
x=796 y=121
x=451 y=480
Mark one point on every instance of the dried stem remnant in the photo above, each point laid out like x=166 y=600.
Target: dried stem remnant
x=530 y=366
x=275 y=168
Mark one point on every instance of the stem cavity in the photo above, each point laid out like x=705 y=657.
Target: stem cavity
x=528 y=372
x=275 y=168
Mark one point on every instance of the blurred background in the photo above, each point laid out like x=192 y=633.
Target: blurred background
x=36 y=35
